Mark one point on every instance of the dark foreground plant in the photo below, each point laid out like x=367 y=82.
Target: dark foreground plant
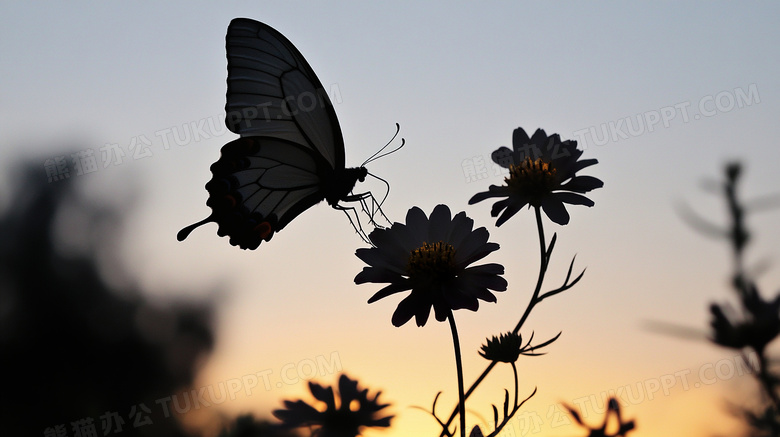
x=344 y=415
x=755 y=322
x=613 y=425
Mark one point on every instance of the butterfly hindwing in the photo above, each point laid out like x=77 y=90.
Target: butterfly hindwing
x=260 y=184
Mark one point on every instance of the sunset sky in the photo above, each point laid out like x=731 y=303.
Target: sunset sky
x=662 y=94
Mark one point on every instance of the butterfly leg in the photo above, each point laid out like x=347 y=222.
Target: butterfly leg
x=370 y=211
x=355 y=223
x=375 y=207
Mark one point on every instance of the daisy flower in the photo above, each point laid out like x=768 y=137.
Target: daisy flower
x=432 y=257
x=542 y=173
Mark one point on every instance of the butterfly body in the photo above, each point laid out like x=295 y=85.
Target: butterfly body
x=291 y=152
x=340 y=184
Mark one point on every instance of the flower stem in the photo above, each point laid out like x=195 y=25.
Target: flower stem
x=534 y=300
x=766 y=379
x=459 y=366
x=542 y=271
x=514 y=370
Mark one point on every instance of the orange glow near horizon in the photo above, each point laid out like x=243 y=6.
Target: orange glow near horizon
x=689 y=401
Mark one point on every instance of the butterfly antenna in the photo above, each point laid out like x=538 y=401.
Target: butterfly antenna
x=377 y=155
x=403 y=142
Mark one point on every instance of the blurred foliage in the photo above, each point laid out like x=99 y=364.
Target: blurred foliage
x=78 y=356
x=247 y=426
x=755 y=322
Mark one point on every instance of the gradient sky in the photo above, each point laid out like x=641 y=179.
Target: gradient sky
x=683 y=86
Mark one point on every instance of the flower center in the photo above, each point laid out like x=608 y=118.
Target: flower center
x=432 y=261
x=533 y=178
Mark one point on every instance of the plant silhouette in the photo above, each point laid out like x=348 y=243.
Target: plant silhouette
x=755 y=322
x=80 y=357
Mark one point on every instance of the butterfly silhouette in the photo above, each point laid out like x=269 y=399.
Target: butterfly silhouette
x=291 y=152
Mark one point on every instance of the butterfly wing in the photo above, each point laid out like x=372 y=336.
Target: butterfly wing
x=272 y=91
x=291 y=145
x=260 y=184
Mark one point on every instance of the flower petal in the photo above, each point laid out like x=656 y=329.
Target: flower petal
x=460 y=229
x=296 y=414
x=477 y=254
x=324 y=394
x=390 y=289
x=439 y=224
x=486 y=269
x=409 y=308
x=511 y=210
x=503 y=157
x=584 y=163
x=383 y=258
x=475 y=292
x=472 y=244
x=483 y=293
x=582 y=184
x=539 y=138
x=395 y=244
x=574 y=199
x=377 y=275
x=493 y=191
x=555 y=210
x=478 y=285
x=347 y=390
x=416 y=227
x=519 y=138
x=565 y=154
x=442 y=309
x=462 y=297
x=486 y=280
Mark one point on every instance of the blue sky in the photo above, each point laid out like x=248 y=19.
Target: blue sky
x=678 y=88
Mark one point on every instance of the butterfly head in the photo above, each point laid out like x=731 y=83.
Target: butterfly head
x=340 y=185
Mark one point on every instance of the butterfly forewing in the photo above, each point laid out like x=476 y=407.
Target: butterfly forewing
x=272 y=91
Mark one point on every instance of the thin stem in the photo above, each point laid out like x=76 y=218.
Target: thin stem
x=514 y=370
x=534 y=300
x=542 y=271
x=459 y=366
x=765 y=379
x=742 y=284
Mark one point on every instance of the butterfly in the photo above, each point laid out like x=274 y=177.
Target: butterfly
x=291 y=152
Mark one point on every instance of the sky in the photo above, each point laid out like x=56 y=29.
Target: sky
x=661 y=93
